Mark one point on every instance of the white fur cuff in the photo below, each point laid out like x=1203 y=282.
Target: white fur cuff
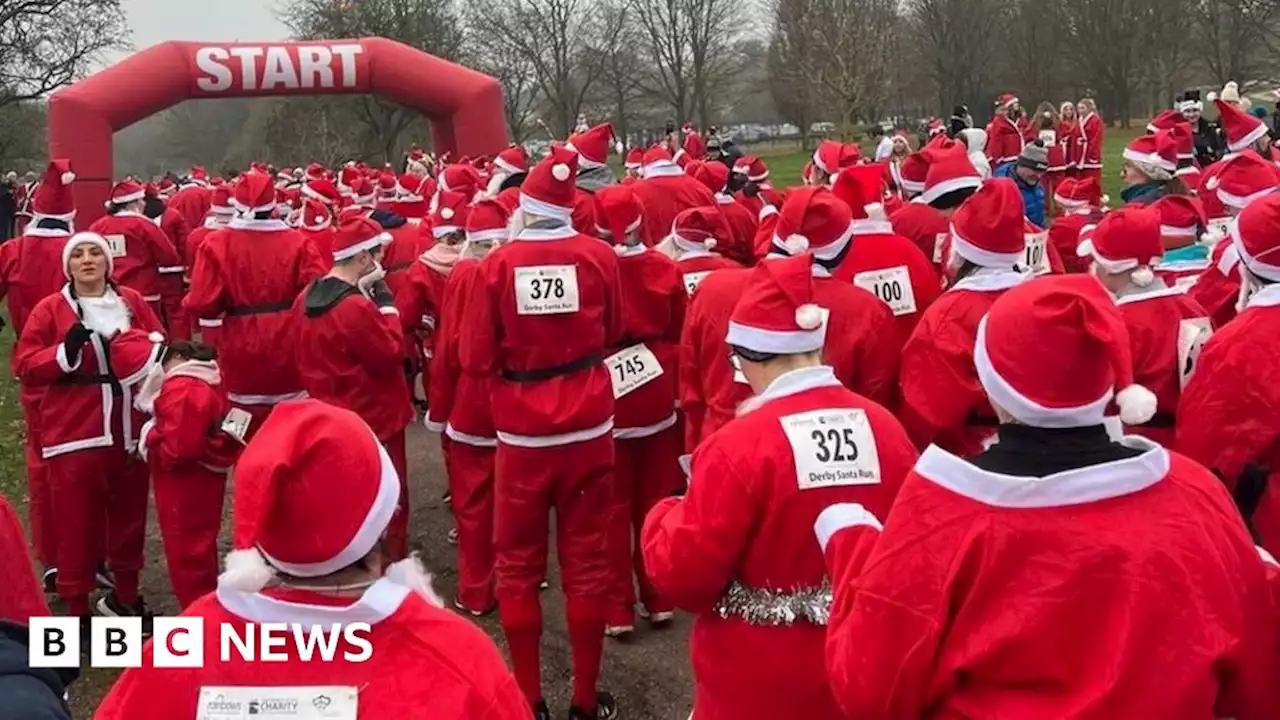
x=841 y=516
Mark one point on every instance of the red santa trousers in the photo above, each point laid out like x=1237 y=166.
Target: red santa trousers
x=646 y=470
x=397 y=545
x=97 y=492
x=470 y=469
x=189 y=511
x=574 y=481
x=44 y=535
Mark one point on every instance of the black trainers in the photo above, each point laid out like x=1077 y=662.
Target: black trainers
x=606 y=709
x=108 y=606
x=49 y=580
x=540 y=711
x=104 y=578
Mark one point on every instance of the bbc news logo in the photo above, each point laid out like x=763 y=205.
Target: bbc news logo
x=179 y=642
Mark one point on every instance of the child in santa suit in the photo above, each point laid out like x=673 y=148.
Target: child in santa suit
x=314 y=493
x=88 y=427
x=942 y=400
x=736 y=549
x=190 y=443
x=1167 y=329
x=647 y=437
x=1033 y=580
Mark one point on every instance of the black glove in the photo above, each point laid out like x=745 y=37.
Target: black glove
x=76 y=337
x=1249 y=491
x=381 y=294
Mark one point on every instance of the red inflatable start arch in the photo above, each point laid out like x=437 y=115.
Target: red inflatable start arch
x=464 y=106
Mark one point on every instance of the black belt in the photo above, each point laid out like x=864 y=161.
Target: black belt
x=978 y=420
x=541 y=374
x=87 y=380
x=259 y=309
x=1160 y=420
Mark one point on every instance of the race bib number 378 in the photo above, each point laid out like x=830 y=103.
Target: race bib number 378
x=547 y=290
x=832 y=448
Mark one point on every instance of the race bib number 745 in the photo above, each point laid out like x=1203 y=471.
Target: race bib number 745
x=547 y=290
x=832 y=448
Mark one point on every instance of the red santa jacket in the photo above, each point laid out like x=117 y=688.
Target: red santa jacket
x=1166 y=331
x=653 y=309
x=1068 y=136
x=745 y=528
x=1064 y=238
x=584 y=213
x=143 y=258
x=350 y=353
x=322 y=241
x=923 y=627
x=175 y=227
x=80 y=409
x=893 y=269
x=712 y=387
x=1091 y=131
x=422 y=657
x=925 y=227
x=663 y=197
x=942 y=400
x=1225 y=417
x=694 y=267
x=1004 y=141
x=192 y=201
x=407 y=243
x=250 y=275
x=458 y=402
x=742 y=224
x=1217 y=289
x=187 y=416
x=550 y=311
x=765 y=195
x=30 y=271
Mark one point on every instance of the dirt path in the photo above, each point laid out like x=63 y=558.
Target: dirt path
x=649 y=675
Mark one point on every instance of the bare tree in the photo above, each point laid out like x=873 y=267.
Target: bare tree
x=1033 y=42
x=520 y=91
x=620 y=82
x=433 y=26
x=46 y=44
x=1230 y=35
x=689 y=48
x=1103 y=49
x=957 y=42
x=792 y=49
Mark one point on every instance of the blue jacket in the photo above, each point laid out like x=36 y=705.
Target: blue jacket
x=1033 y=197
x=28 y=693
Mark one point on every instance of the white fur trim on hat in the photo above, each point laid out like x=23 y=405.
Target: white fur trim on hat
x=81 y=238
x=68 y=178
x=979 y=256
x=776 y=342
x=560 y=171
x=809 y=316
x=1137 y=405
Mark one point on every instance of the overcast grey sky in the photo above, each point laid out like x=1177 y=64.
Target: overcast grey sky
x=155 y=21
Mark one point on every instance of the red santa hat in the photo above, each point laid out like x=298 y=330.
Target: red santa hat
x=950 y=170
x=20 y=596
x=86 y=238
x=699 y=229
x=693 y=148
x=314 y=493
x=619 y=210
x=936 y=127
x=315 y=171
x=1243 y=179
x=126 y=191
x=357 y=234
x=812 y=219
x=346 y=176
x=363 y=192
x=988 y=229
x=166 y=186
x=199 y=174
x=254 y=193
x=316 y=215
x=461 y=178
x=1078 y=334
x=285 y=175
x=713 y=175
x=1078 y=193
x=1006 y=100
x=777 y=313
x=657 y=161
x=1167 y=120
x=1256 y=236
x=133 y=353
x=487 y=222
x=1158 y=150
x=549 y=190
x=1126 y=239
x=1184 y=141
x=861 y=188
x=592 y=145
x=323 y=190
x=1241 y=128
x=753 y=167
x=387 y=185
x=409 y=187
x=53 y=198
x=831 y=156
x=913 y=172
x=450 y=214
x=513 y=160
x=258 y=166
x=1180 y=216
x=635 y=159
x=220 y=201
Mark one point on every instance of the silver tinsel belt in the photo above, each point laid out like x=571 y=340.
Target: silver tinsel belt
x=776 y=608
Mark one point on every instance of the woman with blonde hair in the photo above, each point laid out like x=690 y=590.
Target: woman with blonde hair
x=1069 y=137
x=1091 y=132
x=1044 y=127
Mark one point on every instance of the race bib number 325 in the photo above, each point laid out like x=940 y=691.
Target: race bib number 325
x=547 y=290
x=832 y=448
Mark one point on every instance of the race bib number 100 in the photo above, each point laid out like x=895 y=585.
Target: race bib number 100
x=892 y=286
x=547 y=290
x=832 y=448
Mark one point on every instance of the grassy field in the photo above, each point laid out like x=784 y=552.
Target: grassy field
x=12 y=475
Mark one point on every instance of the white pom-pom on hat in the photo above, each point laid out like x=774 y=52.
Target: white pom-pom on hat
x=796 y=244
x=246 y=571
x=1137 y=405
x=68 y=178
x=808 y=316
x=1143 y=276
x=155 y=337
x=710 y=243
x=560 y=172
x=446 y=213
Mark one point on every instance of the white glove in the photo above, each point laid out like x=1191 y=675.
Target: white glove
x=368 y=280
x=840 y=516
